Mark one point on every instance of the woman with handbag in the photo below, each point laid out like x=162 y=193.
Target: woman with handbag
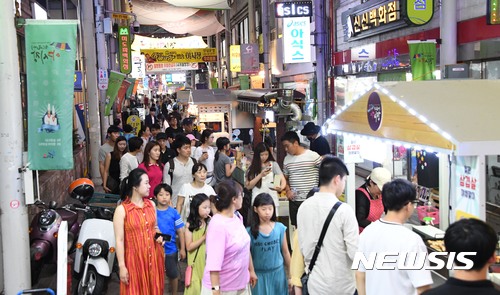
x=195 y=235
x=111 y=176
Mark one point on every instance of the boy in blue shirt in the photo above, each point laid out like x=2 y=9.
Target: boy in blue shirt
x=170 y=223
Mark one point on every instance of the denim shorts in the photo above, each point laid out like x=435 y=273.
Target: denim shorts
x=172 y=265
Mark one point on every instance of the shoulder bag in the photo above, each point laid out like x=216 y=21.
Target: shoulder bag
x=189 y=269
x=305 y=276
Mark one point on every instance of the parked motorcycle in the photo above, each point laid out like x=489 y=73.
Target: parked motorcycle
x=43 y=234
x=95 y=248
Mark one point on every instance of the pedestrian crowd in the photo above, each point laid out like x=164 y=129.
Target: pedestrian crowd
x=179 y=201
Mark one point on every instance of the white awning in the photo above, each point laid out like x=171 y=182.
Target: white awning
x=203 y=4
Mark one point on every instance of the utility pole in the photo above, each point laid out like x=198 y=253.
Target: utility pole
x=319 y=42
x=448 y=25
x=102 y=63
x=265 y=37
x=90 y=62
x=227 y=24
x=14 y=214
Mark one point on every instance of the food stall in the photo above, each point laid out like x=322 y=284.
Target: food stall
x=455 y=120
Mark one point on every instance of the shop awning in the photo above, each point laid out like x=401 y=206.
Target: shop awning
x=211 y=96
x=459 y=115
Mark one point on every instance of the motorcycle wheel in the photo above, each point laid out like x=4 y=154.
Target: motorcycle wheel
x=95 y=283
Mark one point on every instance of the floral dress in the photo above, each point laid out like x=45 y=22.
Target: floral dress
x=144 y=258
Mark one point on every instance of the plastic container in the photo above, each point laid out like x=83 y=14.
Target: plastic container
x=428 y=211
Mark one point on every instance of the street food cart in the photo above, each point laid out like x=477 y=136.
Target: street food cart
x=455 y=120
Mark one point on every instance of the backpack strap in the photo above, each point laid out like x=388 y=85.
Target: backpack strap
x=171 y=167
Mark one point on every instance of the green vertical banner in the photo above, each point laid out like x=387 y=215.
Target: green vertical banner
x=124 y=49
x=114 y=84
x=130 y=88
x=422 y=60
x=50 y=64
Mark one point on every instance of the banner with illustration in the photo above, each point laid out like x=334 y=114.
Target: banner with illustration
x=422 y=60
x=50 y=66
x=465 y=188
x=121 y=94
x=114 y=84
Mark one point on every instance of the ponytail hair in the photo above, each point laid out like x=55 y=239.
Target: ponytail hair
x=129 y=182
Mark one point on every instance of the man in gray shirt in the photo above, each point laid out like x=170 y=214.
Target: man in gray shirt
x=107 y=147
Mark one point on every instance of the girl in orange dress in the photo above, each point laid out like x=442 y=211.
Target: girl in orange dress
x=140 y=256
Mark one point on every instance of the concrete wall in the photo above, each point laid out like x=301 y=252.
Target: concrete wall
x=466 y=9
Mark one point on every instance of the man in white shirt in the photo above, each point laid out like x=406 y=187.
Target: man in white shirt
x=129 y=161
x=300 y=169
x=332 y=274
x=388 y=234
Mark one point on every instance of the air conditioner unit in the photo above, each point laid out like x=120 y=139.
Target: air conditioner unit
x=456 y=71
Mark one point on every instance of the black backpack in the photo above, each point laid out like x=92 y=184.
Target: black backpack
x=171 y=167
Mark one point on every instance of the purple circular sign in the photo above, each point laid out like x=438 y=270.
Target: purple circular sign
x=374 y=111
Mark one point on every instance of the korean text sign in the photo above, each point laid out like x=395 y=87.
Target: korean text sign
x=296 y=40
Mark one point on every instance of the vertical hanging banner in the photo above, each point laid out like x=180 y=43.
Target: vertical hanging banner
x=115 y=82
x=235 y=58
x=249 y=58
x=296 y=40
x=422 y=60
x=126 y=84
x=124 y=48
x=50 y=63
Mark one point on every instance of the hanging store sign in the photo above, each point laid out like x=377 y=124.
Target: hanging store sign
x=378 y=16
x=235 y=58
x=170 y=67
x=180 y=55
x=125 y=58
x=293 y=9
x=249 y=54
x=296 y=40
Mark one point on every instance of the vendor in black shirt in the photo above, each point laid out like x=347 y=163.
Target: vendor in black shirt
x=319 y=144
x=470 y=235
x=369 y=207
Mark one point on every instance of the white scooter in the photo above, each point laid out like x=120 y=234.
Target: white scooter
x=95 y=248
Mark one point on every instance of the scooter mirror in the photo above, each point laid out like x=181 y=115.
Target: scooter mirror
x=52 y=205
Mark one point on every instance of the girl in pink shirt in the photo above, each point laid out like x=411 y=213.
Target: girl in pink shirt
x=152 y=165
x=229 y=268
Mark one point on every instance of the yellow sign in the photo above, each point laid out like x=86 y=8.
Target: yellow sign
x=459 y=214
x=419 y=12
x=235 y=58
x=135 y=122
x=378 y=16
x=180 y=55
x=120 y=16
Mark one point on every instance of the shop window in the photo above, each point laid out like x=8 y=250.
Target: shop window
x=492 y=70
x=476 y=70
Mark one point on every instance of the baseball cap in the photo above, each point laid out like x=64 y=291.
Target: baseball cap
x=187 y=121
x=191 y=137
x=380 y=176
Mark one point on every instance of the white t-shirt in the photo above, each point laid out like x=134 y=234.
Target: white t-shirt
x=267 y=183
x=183 y=173
x=384 y=236
x=188 y=191
x=209 y=162
x=128 y=162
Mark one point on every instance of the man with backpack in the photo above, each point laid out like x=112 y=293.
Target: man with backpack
x=177 y=171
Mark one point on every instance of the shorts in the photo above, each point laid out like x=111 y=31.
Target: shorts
x=172 y=265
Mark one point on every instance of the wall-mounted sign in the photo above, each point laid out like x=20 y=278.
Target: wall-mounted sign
x=249 y=54
x=296 y=40
x=170 y=67
x=235 y=58
x=180 y=55
x=125 y=58
x=378 y=16
x=419 y=12
x=365 y=52
x=293 y=9
x=374 y=111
